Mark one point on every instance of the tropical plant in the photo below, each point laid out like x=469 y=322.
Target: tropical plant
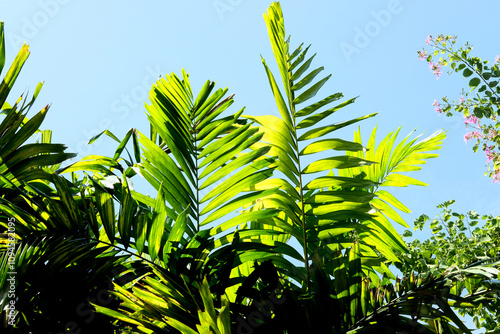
x=212 y=252
x=337 y=220
x=50 y=268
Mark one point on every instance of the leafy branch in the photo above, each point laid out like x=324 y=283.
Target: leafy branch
x=483 y=107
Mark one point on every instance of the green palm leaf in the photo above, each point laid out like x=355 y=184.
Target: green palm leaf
x=406 y=156
x=21 y=162
x=203 y=159
x=287 y=137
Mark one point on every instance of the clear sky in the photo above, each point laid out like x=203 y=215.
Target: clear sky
x=99 y=58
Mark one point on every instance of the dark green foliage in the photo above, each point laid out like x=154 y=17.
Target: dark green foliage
x=459 y=242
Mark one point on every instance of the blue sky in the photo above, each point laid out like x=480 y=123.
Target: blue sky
x=99 y=58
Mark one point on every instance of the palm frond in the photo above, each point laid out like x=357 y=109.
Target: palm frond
x=202 y=158
x=406 y=156
x=309 y=220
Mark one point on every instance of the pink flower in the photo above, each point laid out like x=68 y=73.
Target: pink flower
x=422 y=55
x=436 y=68
x=490 y=155
x=438 y=107
x=496 y=176
x=442 y=38
x=462 y=100
x=470 y=135
x=428 y=40
x=497 y=59
x=471 y=119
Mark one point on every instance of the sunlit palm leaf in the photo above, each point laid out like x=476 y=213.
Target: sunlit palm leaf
x=287 y=136
x=203 y=159
x=406 y=156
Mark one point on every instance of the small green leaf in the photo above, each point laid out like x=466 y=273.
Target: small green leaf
x=158 y=226
x=122 y=145
x=407 y=234
x=106 y=210
x=126 y=215
x=478 y=112
x=399 y=180
x=474 y=82
x=318 y=132
x=467 y=72
x=105 y=132
x=331 y=144
x=175 y=235
x=311 y=92
x=390 y=199
x=312 y=108
x=283 y=109
x=307 y=79
x=339 y=162
x=336 y=181
x=299 y=59
x=296 y=75
x=141 y=229
x=312 y=120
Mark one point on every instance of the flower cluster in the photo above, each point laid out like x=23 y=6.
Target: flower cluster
x=490 y=154
x=422 y=55
x=471 y=120
x=436 y=68
x=494 y=157
x=441 y=39
x=438 y=107
x=473 y=134
x=480 y=113
x=496 y=176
